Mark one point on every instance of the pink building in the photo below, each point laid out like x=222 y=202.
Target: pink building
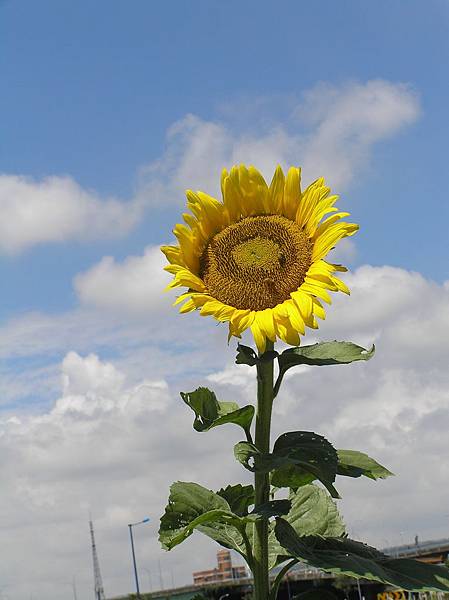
x=224 y=572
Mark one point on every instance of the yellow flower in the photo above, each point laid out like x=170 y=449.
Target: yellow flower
x=256 y=259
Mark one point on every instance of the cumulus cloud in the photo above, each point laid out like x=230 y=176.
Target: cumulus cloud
x=117 y=434
x=135 y=285
x=104 y=447
x=332 y=130
x=57 y=209
x=347 y=121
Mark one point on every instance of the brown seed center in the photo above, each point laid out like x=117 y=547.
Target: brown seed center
x=257 y=262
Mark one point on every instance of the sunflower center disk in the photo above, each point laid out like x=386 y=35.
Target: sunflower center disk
x=256 y=263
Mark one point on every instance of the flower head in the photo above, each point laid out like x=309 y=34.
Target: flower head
x=256 y=260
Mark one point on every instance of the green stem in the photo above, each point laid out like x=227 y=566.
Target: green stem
x=261 y=480
x=277 y=385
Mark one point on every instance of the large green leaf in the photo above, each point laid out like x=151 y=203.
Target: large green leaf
x=342 y=555
x=291 y=476
x=209 y=412
x=191 y=506
x=352 y=463
x=312 y=512
x=239 y=497
x=312 y=457
x=272 y=508
x=321 y=354
x=324 y=353
x=298 y=458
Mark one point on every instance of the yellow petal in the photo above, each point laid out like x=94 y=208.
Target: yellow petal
x=181 y=298
x=186 y=242
x=314 y=193
x=318 y=309
x=276 y=192
x=304 y=302
x=259 y=337
x=325 y=242
x=233 y=200
x=189 y=280
x=295 y=317
x=322 y=281
x=241 y=320
x=341 y=285
x=265 y=321
x=173 y=254
x=286 y=332
x=317 y=291
x=211 y=307
x=224 y=175
x=187 y=307
x=292 y=193
x=225 y=313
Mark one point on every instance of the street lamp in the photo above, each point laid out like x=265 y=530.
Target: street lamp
x=131 y=525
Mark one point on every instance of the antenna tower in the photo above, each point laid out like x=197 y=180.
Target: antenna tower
x=98 y=583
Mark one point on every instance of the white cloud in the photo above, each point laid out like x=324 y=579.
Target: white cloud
x=334 y=135
x=135 y=285
x=118 y=435
x=340 y=127
x=105 y=447
x=57 y=209
x=347 y=121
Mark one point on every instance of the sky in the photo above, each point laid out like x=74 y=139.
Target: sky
x=109 y=111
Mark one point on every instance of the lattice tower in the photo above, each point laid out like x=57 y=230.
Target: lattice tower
x=98 y=583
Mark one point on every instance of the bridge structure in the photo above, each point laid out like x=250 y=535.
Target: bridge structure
x=433 y=552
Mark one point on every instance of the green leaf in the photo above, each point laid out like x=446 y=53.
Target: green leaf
x=209 y=412
x=312 y=512
x=324 y=353
x=342 y=555
x=352 y=463
x=273 y=508
x=298 y=458
x=239 y=497
x=310 y=455
x=247 y=356
x=245 y=452
x=291 y=476
x=191 y=506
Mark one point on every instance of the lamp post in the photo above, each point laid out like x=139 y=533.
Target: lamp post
x=131 y=525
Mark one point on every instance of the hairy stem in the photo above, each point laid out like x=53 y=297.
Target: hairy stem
x=261 y=480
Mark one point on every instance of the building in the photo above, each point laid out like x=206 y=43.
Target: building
x=223 y=572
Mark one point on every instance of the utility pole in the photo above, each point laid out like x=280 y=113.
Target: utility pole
x=98 y=583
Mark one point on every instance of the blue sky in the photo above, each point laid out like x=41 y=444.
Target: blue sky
x=89 y=90
x=109 y=110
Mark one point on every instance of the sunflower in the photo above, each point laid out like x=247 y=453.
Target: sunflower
x=256 y=259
